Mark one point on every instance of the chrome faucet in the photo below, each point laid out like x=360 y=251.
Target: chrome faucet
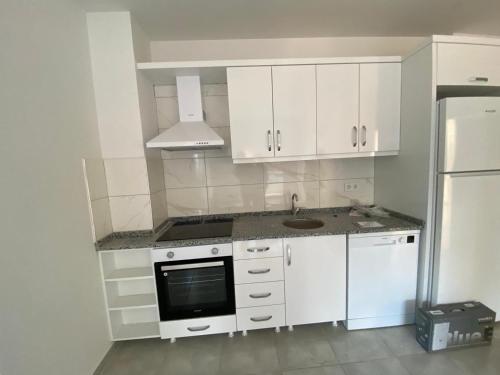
x=295 y=210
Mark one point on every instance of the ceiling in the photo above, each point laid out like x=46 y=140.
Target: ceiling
x=234 y=19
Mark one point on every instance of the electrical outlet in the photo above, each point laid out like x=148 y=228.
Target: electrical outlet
x=351 y=186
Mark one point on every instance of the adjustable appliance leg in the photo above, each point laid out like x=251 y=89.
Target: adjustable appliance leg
x=277 y=329
x=290 y=328
x=335 y=324
x=244 y=333
x=172 y=340
x=231 y=334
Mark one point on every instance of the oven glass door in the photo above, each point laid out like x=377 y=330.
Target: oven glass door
x=195 y=288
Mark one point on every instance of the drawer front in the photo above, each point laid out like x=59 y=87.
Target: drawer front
x=468 y=64
x=258 y=249
x=258 y=270
x=198 y=327
x=260 y=294
x=260 y=317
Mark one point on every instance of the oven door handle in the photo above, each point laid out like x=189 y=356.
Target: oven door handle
x=198 y=329
x=257 y=272
x=192 y=266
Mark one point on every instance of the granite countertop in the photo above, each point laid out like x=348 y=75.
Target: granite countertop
x=260 y=225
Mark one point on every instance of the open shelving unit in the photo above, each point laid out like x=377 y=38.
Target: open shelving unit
x=214 y=71
x=129 y=293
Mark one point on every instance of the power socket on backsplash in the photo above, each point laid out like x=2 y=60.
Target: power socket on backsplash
x=351 y=186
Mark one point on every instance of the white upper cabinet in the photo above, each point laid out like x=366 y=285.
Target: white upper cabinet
x=337 y=108
x=468 y=64
x=303 y=112
x=315 y=279
x=294 y=102
x=251 y=111
x=379 y=107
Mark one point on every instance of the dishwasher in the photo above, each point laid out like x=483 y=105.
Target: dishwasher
x=382 y=279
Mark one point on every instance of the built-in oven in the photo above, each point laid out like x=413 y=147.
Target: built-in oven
x=194 y=282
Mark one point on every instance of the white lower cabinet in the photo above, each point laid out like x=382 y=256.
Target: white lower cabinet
x=260 y=317
x=197 y=327
x=315 y=279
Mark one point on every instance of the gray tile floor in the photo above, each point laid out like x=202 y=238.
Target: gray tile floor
x=309 y=350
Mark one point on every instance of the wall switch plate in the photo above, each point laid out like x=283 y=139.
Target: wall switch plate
x=351 y=186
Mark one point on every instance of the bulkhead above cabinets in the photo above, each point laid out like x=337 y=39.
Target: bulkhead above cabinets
x=304 y=112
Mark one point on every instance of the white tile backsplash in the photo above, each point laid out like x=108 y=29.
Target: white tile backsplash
x=101 y=218
x=291 y=171
x=126 y=176
x=216 y=110
x=334 y=169
x=159 y=207
x=333 y=192
x=239 y=198
x=167 y=110
x=181 y=173
x=278 y=196
x=222 y=171
x=96 y=178
x=129 y=213
x=187 y=202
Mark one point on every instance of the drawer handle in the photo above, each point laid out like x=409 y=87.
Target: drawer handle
x=260 y=295
x=258 y=249
x=197 y=329
x=478 y=79
x=261 y=318
x=256 y=272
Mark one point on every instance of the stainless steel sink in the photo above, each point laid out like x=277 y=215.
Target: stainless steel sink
x=303 y=223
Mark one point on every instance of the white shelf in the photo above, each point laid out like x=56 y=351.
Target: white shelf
x=137 y=331
x=214 y=71
x=129 y=274
x=134 y=301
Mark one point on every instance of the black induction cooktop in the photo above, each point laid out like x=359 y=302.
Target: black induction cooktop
x=196 y=229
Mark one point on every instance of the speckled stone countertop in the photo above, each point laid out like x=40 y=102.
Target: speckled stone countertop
x=260 y=225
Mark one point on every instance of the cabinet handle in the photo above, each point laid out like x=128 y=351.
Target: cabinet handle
x=258 y=249
x=261 y=318
x=363 y=143
x=197 y=329
x=257 y=272
x=278 y=139
x=354 y=136
x=260 y=295
x=289 y=255
x=478 y=79
x=269 y=140
x=385 y=244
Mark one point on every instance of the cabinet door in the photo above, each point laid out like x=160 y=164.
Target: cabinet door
x=294 y=102
x=315 y=279
x=468 y=65
x=338 y=108
x=379 y=111
x=251 y=111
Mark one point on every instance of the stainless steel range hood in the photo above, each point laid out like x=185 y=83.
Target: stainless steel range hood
x=191 y=132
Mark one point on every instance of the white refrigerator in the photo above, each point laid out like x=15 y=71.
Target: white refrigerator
x=467 y=226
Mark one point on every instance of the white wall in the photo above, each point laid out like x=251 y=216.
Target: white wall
x=282 y=48
x=52 y=317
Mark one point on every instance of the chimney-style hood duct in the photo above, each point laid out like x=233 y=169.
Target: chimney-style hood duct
x=191 y=132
